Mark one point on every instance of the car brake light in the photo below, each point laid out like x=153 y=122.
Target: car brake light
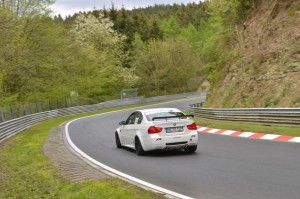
x=192 y=126
x=154 y=129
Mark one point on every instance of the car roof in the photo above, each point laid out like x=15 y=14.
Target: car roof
x=158 y=110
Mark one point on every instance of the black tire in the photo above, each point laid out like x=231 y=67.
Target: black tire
x=190 y=149
x=118 y=142
x=138 y=147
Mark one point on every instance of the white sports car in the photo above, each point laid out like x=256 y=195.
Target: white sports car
x=157 y=129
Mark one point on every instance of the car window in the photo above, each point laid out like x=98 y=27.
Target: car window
x=131 y=119
x=140 y=116
x=133 y=116
x=165 y=114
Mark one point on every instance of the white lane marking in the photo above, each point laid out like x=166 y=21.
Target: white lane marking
x=246 y=134
x=213 y=130
x=228 y=132
x=136 y=180
x=152 y=186
x=295 y=139
x=269 y=137
x=202 y=129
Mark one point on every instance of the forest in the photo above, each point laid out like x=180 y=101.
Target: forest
x=160 y=49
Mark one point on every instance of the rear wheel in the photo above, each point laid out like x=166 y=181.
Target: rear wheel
x=138 y=147
x=190 y=149
x=118 y=142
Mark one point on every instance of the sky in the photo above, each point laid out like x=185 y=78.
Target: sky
x=68 y=7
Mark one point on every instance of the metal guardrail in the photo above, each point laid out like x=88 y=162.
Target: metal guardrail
x=270 y=116
x=14 y=126
x=19 y=110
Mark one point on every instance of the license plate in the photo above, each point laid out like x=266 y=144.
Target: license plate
x=174 y=129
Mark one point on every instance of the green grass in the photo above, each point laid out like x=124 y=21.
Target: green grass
x=25 y=172
x=294 y=9
x=250 y=127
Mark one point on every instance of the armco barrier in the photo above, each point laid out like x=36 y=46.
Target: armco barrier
x=12 y=127
x=271 y=116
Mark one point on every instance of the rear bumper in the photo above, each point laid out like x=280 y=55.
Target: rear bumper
x=157 y=142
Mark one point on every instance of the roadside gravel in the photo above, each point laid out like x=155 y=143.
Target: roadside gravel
x=70 y=166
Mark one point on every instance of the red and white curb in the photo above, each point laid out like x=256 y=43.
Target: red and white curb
x=253 y=135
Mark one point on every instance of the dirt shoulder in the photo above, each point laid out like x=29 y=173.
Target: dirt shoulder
x=70 y=166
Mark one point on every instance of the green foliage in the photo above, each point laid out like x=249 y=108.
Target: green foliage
x=37 y=51
x=88 y=61
x=296 y=102
x=193 y=35
x=170 y=27
x=105 y=47
x=166 y=67
x=216 y=45
x=103 y=51
x=228 y=13
x=294 y=9
x=27 y=8
x=270 y=102
x=99 y=34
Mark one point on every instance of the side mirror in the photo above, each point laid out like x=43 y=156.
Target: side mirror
x=122 y=123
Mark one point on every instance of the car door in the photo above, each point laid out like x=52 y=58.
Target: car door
x=127 y=129
x=135 y=127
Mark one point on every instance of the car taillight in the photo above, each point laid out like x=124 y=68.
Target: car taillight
x=192 y=126
x=154 y=129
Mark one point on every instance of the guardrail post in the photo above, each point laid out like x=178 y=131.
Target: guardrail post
x=66 y=103
x=11 y=112
x=37 y=107
x=19 y=110
x=45 y=106
x=2 y=115
x=30 y=109
x=23 y=109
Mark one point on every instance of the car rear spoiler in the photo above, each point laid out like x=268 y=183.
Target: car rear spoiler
x=167 y=117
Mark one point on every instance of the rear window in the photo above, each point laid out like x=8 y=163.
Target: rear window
x=150 y=116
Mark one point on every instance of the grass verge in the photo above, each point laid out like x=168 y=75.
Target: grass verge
x=248 y=127
x=25 y=172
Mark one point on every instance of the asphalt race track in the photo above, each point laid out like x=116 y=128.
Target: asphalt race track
x=222 y=167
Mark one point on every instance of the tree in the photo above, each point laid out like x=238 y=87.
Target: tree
x=192 y=35
x=170 y=27
x=99 y=34
x=166 y=66
x=25 y=8
x=226 y=14
x=104 y=47
x=155 y=33
x=10 y=33
x=216 y=50
x=38 y=49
